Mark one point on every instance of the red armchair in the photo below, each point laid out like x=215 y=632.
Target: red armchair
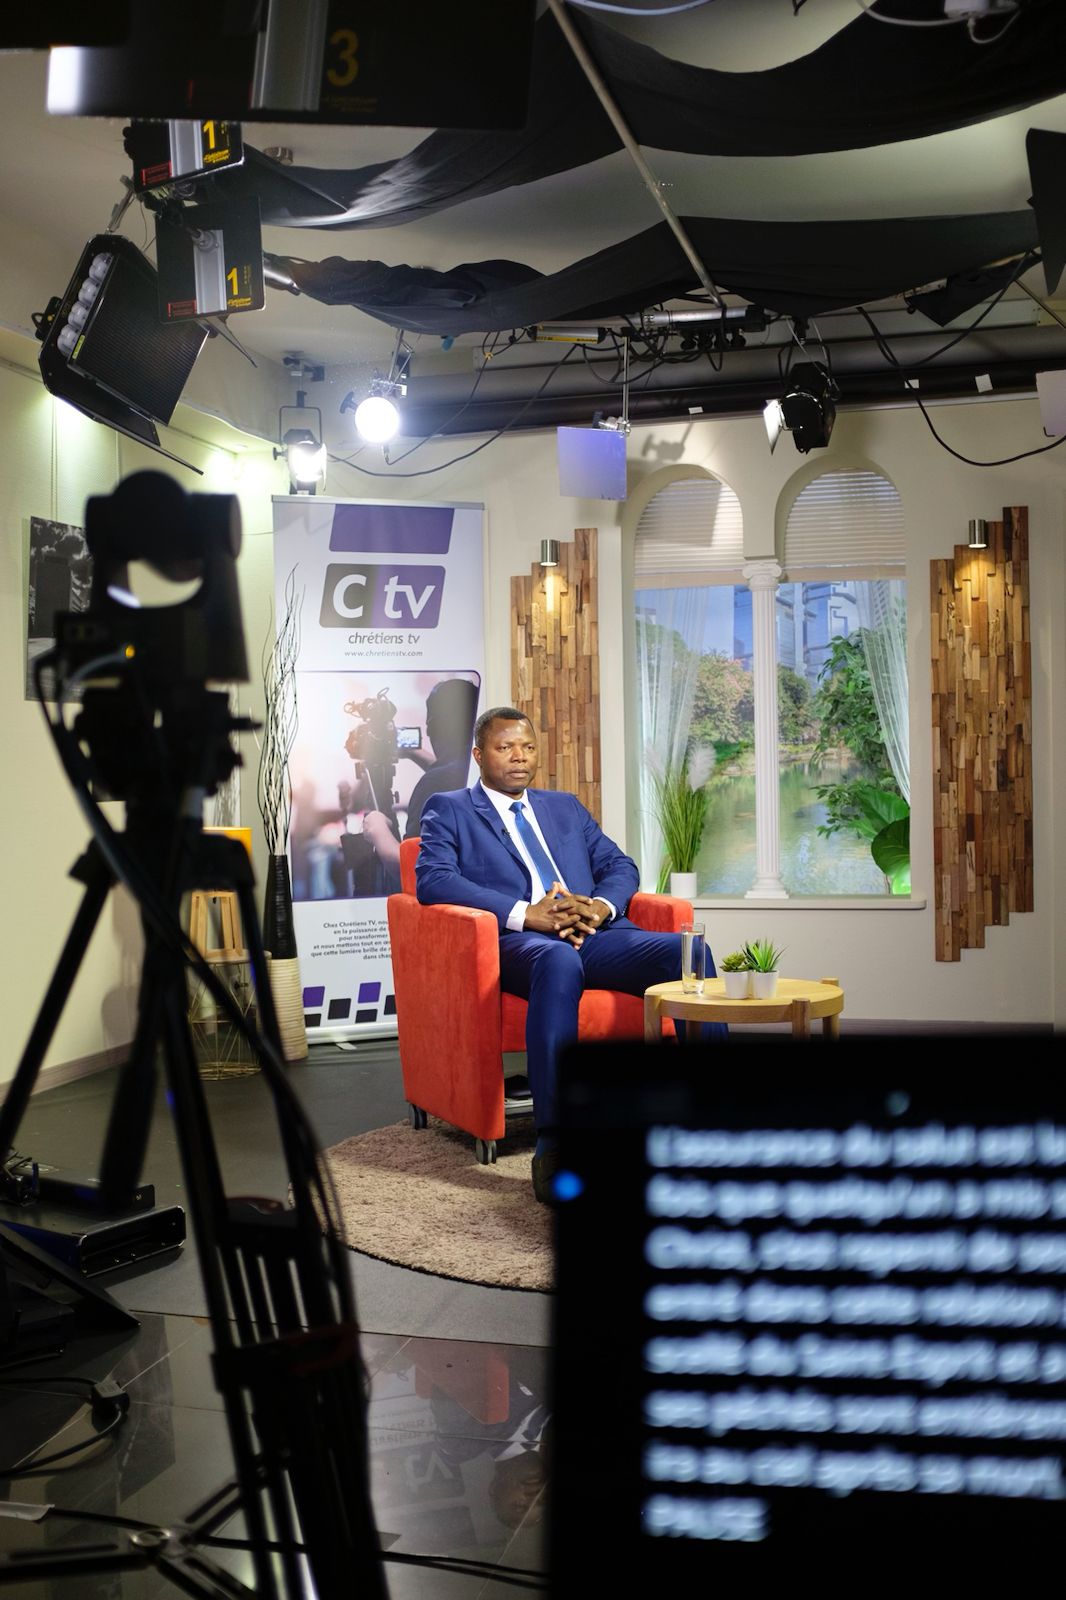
x=455 y=1024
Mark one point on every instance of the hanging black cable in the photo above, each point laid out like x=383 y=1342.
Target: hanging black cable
x=1002 y=461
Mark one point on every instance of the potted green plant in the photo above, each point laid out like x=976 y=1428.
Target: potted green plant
x=764 y=958
x=681 y=799
x=736 y=975
x=880 y=816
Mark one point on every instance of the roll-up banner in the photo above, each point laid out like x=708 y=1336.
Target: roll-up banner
x=388 y=685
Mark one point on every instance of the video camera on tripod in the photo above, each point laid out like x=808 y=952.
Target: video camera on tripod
x=276 y=1277
x=374 y=747
x=148 y=722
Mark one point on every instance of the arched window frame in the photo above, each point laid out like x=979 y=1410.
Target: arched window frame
x=881 y=554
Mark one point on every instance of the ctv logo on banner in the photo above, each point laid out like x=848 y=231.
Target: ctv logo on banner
x=373 y=595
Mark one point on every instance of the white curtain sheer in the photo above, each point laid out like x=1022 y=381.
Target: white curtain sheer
x=882 y=607
x=669 y=635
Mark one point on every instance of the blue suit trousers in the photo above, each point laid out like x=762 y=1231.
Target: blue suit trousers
x=550 y=975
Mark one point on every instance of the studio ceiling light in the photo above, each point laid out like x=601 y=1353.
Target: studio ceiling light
x=305 y=457
x=302 y=442
x=806 y=409
x=377 y=415
x=377 y=418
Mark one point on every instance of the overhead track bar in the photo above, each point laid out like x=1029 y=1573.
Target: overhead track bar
x=621 y=127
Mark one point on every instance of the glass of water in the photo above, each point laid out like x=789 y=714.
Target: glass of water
x=693 y=956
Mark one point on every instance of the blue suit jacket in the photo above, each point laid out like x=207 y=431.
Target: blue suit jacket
x=467 y=858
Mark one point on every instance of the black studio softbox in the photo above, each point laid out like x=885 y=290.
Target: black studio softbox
x=105 y=351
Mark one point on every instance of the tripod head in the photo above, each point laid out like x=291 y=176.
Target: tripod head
x=152 y=727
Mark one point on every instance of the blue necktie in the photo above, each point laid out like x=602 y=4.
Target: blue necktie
x=540 y=858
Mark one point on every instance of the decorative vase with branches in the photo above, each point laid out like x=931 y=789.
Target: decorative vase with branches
x=274 y=797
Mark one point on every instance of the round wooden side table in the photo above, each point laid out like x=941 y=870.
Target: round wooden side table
x=799 y=1001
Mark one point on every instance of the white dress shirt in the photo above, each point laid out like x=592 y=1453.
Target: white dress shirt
x=516 y=921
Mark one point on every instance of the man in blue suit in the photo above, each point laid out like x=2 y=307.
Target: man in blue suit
x=557 y=886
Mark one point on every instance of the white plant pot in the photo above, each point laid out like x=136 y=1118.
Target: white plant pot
x=763 y=985
x=683 y=885
x=737 y=985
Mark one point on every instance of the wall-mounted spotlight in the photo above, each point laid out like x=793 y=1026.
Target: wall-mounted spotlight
x=806 y=408
x=377 y=415
x=304 y=452
x=300 y=433
x=305 y=457
x=549 y=552
x=978 y=533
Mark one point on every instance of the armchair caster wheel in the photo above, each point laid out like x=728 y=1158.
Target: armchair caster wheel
x=485 y=1149
x=416 y=1116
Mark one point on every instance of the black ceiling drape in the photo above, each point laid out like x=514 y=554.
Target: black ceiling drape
x=799 y=269
x=870 y=84
x=793 y=268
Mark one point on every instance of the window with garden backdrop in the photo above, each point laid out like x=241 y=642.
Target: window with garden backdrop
x=842 y=767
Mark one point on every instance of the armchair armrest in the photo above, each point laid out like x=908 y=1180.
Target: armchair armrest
x=659 y=913
x=446 y=968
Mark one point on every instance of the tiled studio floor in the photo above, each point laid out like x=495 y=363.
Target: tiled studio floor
x=457 y=1425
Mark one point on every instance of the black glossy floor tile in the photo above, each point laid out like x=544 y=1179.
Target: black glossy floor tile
x=487 y=1391
x=77 y=1583
x=458 y=1459
x=163 y=1463
x=457 y=1426
x=433 y=1583
x=380 y=1348
x=30 y=1422
x=39 y=1397
x=185 y=1376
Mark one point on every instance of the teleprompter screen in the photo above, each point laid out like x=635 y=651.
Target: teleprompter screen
x=800 y=1319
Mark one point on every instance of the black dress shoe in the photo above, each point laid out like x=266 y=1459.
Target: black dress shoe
x=544 y=1169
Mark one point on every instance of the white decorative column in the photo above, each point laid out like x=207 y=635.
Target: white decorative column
x=762 y=578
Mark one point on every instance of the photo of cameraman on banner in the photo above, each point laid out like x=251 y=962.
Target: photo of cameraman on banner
x=370 y=752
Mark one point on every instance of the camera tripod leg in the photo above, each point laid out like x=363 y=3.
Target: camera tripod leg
x=98 y=880
x=253 y=939
x=211 y=861
x=219 y=1256
x=131 y=1109
x=288 y=1371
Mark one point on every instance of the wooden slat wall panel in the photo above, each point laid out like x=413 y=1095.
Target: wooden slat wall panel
x=982 y=736
x=555 y=667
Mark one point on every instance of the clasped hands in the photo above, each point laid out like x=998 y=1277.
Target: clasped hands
x=572 y=916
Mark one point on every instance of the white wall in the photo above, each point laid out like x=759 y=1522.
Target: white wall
x=883 y=956
x=54 y=459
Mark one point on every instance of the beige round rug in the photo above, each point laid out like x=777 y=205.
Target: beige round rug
x=421 y=1199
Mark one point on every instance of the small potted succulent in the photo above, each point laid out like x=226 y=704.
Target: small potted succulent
x=764 y=958
x=736 y=975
